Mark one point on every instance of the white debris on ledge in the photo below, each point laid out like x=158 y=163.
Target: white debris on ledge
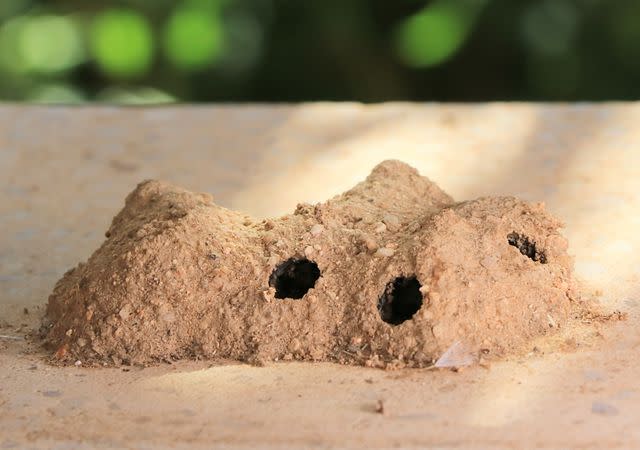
x=457 y=355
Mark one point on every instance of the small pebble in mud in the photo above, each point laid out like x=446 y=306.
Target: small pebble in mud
x=316 y=230
x=308 y=251
x=370 y=243
x=380 y=228
x=391 y=221
x=385 y=252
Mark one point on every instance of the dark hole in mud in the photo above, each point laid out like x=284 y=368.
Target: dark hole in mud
x=294 y=277
x=527 y=247
x=401 y=300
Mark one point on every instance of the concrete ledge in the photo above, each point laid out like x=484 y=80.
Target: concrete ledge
x=64 y=174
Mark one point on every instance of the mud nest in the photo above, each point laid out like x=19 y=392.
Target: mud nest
x=392 y=271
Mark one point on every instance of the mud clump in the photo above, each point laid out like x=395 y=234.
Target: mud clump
x=392 y=272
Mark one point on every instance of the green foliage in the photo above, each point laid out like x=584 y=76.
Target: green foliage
x=158 y=51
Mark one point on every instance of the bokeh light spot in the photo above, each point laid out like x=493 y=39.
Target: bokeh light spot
x=437 y=32
x=50 y=44
x=193 y=38
x=56 y=93
x=122 y=43
x=135 y=96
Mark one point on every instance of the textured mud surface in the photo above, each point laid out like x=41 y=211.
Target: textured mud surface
x=391 y=273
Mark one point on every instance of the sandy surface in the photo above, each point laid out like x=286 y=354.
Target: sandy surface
x=66 y=171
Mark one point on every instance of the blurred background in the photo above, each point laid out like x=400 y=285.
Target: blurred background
x=156 y=51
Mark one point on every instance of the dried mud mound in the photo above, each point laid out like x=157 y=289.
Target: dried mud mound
x=392 y=272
